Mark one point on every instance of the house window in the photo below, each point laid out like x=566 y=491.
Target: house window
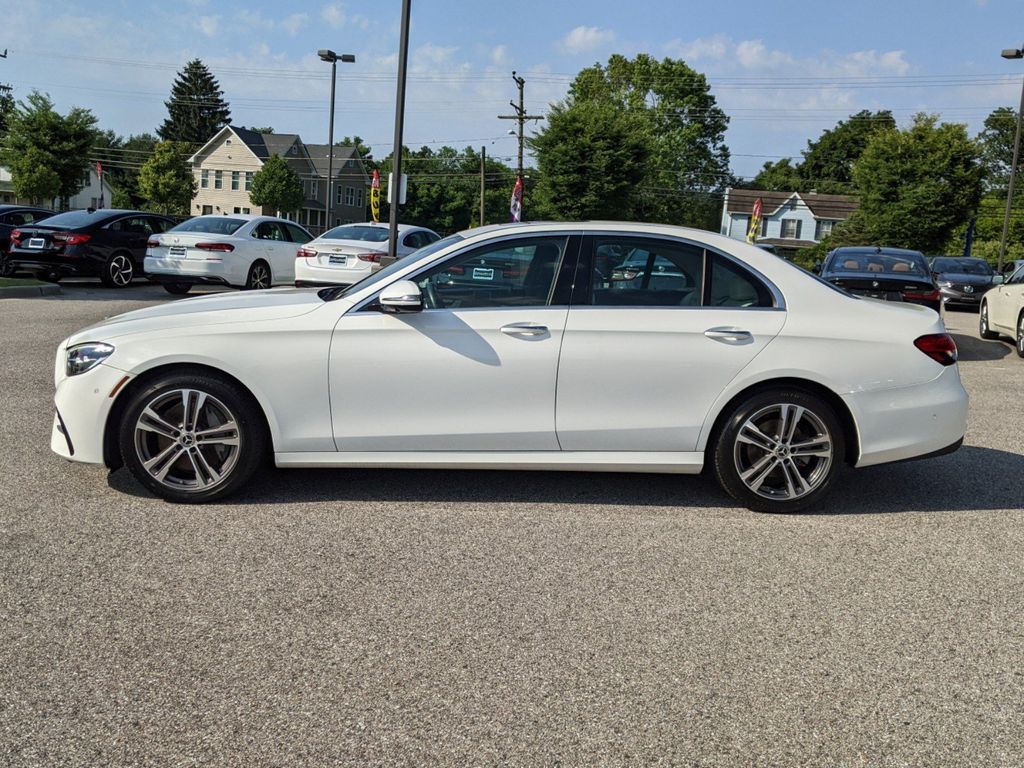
x=339 y=195
x=314 y=189
x=204 y=178
x=241 y=210
x=740 y=224
x=764 y=228
x=823 y=229
x=86 y=180
x=791 y=229
x=207 y=210
x=218 y=179
x=359 y=197
x=350 y=195
x=248 y=180
x=236 y=178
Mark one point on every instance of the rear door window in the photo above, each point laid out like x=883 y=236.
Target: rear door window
x=637 y=272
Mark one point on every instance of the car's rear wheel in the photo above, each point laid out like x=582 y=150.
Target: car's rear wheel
x=1020 y=335
x=6 y=270
x=192 y=437
x=118 y=271
x=178 y=289
x=779 y=450
x=258 y=277
x=983 y=330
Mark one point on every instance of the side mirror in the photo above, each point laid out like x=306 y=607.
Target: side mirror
x=998 y=279
x=816 y=268
x=403 y=296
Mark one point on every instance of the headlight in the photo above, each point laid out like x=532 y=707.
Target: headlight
x=85 y=357
x=945 y=284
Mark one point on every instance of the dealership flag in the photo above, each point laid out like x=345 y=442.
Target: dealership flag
x=375 y=196
x=755 y=222
x=99 y=173
x=517 y=200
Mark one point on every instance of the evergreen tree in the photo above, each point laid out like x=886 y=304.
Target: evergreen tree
x=196 y=109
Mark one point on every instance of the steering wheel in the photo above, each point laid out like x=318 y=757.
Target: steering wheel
x=430 y=293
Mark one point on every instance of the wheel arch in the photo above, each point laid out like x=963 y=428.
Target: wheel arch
x=851 y=435
x=111 y=448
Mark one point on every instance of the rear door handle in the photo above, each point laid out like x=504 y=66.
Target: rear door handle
x=524 y=329
x=729 y=335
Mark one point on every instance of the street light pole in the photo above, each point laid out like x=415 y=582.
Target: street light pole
x=395 y=187
x=1012 y=53
x=330 y=56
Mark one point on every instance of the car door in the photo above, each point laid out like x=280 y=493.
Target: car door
x=657 y=328
x=279 y=250
x=410 y=242
x=1005 y=302
x=474 y=371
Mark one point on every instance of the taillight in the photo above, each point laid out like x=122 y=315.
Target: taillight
x=374 y=256
x=458 y=269
x=511 y=273
x=70 y=238
x=916 y=296
x=152 y=243
x=305 y=253
x=16 y=236
x=220 y=247
x=940 y=347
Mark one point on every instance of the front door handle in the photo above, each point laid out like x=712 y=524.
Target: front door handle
x=524 y=329
x=729 y=335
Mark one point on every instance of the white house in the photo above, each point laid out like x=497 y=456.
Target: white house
x=88 y=196
x=789 y=220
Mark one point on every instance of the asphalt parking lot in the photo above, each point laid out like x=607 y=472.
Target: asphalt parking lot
x=411 y=618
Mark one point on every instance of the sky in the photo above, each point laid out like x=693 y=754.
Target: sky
x=783 y=72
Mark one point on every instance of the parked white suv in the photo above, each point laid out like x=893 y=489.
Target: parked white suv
x=346 y=254
x=240 y=250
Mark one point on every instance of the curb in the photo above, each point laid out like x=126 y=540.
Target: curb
x=29 y=291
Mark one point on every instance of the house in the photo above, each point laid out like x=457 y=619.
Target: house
x=225 y=166
x=87 y=197
x=789 y=220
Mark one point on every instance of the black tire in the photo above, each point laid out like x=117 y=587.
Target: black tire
x=259 y=277
x=983 y=329
x=178 y=289
x=50 y=277
x=118 y=270
x=6 y=269
x=225 y=443
x=766 y=455
x=1020 y=336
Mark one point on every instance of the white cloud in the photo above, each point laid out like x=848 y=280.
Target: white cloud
x=254 y=20
x=586 y=39
x=360 y=21
x=208 y=25
x=435 y=54
x=334 y=15
x=499 y=55
x=292 y=24
x=702 y=48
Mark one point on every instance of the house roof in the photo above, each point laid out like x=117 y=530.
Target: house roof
x=782 y=242
x=821 y=206
x=318 y=157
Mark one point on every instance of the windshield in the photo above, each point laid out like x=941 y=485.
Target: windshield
x=962 y=266
x=330 y=294
x=211 y=225
x=357 y=232
x=879 y=263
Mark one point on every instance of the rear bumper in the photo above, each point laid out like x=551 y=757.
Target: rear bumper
x=910 y=422
x=62 y=267
x=195 y=271
x=187 y=279
x=311 y=275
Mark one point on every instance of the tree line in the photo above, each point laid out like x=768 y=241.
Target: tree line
x=636 y=139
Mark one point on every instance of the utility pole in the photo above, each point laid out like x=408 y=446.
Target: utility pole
x=395 y=187
x=1013 y=176
x=521 y=117
x=483 y=170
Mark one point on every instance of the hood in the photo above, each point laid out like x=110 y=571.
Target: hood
x=966 y=278
x=247 y=306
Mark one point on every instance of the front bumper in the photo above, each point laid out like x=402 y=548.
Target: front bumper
x=83 y=404
x=953 y=296
x=910 y=422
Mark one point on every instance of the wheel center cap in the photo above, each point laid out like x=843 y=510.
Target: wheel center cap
x=782 y=451
x=187 y=439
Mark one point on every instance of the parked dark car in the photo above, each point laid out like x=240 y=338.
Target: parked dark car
x=892 y=274
x=109 y=244
x=12 y=217
x=963 y=281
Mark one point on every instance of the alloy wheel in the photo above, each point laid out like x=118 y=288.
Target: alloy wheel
x=187 y=440
x=984 y=319
x=121 y=270
x=1020 y=336
x=783 y=452
x=259 y=277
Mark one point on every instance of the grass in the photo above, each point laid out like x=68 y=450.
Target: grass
x=7 y=282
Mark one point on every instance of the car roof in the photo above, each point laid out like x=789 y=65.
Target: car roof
x=380 y=225
x=8 y=207
x=877 y=250
x=246 y=217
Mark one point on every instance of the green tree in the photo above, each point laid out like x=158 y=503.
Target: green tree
x=166 y=181
x=276 y=186
x=671 y=112
x=916 y=186
x=254 y=129
x=592 y=158
x=39 y=137
x=33 y=178
x=196 y=109
x=6 y=107
x=781 y=176
x=996 y=140
x=828 y=160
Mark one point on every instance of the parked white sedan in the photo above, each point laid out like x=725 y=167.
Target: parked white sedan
x=1002 y=311
x=346 y=254
x=527 y=346
x=241 y=250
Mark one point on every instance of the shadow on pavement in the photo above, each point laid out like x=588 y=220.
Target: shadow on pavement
x=973 y=349
x=972 y=479
x=139 y=290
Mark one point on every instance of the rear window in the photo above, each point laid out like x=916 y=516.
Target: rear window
x=77 y=219
x=349 y=232
x=879 y=263
x=211 y=225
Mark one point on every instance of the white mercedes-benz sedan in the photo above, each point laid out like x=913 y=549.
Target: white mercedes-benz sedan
x=586 y=346
x=241 y=250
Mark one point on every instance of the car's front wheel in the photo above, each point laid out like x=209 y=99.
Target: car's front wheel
x=779 y=450
x=1020 y=335
x=192 y=437
x=983 y=329
x=118 y=271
